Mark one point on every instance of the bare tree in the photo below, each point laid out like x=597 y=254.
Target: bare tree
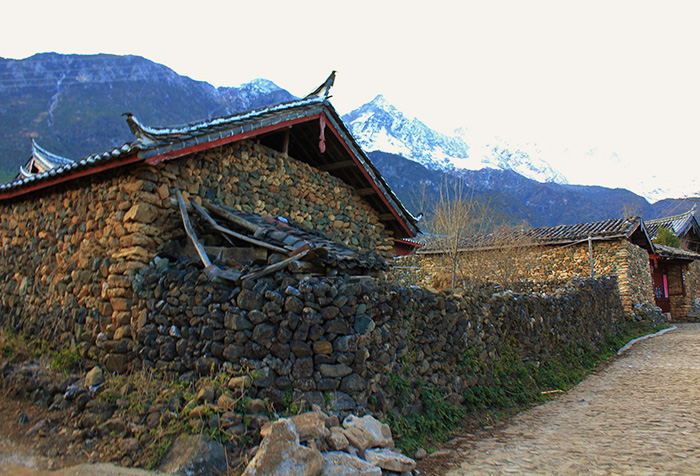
x=453 y=218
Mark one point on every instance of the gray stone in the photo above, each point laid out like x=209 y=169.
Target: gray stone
x=337 y=326
x=367 y=432
x=263 y=333
x=193 y=455
x=337 y=439
x=237 y=322
x=233 y=353
x=334 y=371
x=293 y=304
x=342 y=402
x=337 y=463
x=303 y=368
x=94 y=377
x=353 y=383
x=389 y=460
x=364 y=324
x=280 y=454
x=301 y=349
x=346 y=343
x=250 y=300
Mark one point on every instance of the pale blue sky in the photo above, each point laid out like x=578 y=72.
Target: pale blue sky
x=591 y=77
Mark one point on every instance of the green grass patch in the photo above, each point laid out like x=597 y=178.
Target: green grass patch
x=420 y=429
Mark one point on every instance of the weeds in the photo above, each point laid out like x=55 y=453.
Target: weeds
x=418 y=429
x=65 y=361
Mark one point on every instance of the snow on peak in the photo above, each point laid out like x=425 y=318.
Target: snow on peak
x=378 y=125
x=260 y=86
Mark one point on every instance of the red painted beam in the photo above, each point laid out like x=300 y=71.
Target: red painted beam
x=227 y=140
x=65 y=177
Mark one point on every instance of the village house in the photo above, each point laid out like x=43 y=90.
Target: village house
x=676 y=271
x=288 y=184
x=620 y=247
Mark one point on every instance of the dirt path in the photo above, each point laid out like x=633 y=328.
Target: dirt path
x=640 y=415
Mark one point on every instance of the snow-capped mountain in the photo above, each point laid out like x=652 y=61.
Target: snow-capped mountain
x=379 y=126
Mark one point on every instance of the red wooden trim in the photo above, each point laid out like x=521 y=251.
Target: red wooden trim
x=227 y=140
x=369 y=178
x=65 y=177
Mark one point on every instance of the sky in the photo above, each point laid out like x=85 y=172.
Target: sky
x=608 y=92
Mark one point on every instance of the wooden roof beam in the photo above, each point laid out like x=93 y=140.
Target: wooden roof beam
x=344 y=164
x=363 y=192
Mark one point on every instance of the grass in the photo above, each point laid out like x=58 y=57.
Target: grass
x=420 y=429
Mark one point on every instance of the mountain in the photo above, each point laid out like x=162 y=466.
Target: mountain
x=379 y=126
x=515 y=199
x=72 y=104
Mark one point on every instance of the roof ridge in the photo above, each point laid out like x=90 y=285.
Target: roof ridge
x=686 y=214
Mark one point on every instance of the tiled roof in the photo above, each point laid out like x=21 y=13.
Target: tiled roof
x=678 y=224
x=629 y=228
x=675 y=253
x=304 y=117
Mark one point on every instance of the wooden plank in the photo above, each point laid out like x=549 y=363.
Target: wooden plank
x=212 y=271
x=274 y=267
x=235 y=253
x=337 y=165
x=363 y=192
x=386 y=217
x=223 y=213
x=240 y=236
x=190 y=231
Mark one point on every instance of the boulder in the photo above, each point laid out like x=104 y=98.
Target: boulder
x=337 y=463
x=367 y=432
x=280 y=454
x=337 y=439
x=193 y=455
x=389 y=460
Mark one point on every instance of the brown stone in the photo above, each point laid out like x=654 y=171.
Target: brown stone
x=323 y=347
x=142 y=213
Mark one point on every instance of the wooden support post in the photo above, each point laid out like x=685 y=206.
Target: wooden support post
x=285 y=144
x=590 y=254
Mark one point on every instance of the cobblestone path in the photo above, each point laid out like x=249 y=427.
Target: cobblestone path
x=638 y=416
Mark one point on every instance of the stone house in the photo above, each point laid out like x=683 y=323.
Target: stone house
x=75 y=233
x=618 y=247
x=685 y=226
x=676 y=271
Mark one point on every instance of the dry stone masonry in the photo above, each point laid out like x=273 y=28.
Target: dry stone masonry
x=628 y=262
x=71 y=253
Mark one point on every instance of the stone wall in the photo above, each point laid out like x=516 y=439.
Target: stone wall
x=692 y=281
x=339 y=340
x=70 y=253
x=628 y=262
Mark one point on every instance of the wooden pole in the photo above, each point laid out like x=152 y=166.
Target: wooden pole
x=590 y=254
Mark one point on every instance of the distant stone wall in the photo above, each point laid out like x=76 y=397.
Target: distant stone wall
x=70 y=253
x=628 y=262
